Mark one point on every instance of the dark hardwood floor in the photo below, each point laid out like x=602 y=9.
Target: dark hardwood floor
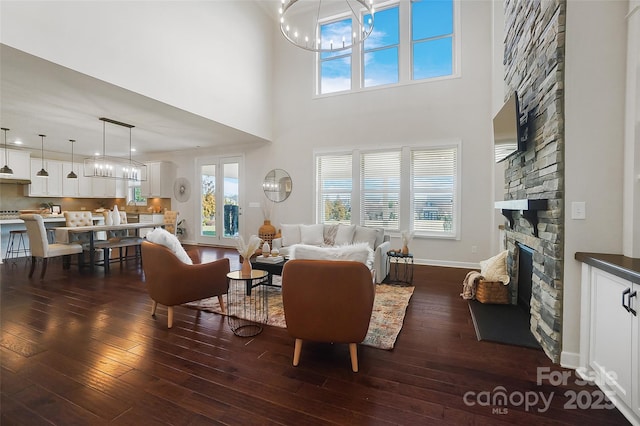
x=82 y=349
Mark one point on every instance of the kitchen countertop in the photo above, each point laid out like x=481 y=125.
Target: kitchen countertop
x=627 y=268
x=50 y=218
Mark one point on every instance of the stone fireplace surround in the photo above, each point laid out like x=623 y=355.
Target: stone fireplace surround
x=534 y=41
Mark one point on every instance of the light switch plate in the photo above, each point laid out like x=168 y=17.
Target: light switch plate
x=578 y=210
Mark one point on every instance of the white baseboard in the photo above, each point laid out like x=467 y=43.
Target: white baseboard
x=569 y=359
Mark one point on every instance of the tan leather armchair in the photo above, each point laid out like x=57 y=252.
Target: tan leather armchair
x=172 y=282
x=327 y=301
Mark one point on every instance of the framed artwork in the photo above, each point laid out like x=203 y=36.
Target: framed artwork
x=56 y=209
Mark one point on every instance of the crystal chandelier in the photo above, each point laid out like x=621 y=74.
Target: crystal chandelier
x=104 y=166
x=301 y=25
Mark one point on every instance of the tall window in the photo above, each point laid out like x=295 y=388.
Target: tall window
x=335 y=67
x=395 y=189
x=410 y=41
x=381 y=189
x=432 y=38
x=434 y=190
x=334 y=186
x=381 y=60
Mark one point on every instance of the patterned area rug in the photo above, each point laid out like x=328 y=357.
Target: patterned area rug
x=389 y=308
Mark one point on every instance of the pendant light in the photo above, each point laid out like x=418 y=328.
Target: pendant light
x=42 y=173
x=6 y=170
x=72 y=174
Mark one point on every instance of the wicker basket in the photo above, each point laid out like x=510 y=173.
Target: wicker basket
x=492 y=292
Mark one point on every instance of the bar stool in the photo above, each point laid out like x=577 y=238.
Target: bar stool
x=19 y=248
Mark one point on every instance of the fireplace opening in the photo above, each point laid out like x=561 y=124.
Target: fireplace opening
x=525 y=275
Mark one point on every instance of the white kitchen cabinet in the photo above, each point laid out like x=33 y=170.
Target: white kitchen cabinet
x=70 y=187
x=45 y=187
x=160 y=177
x=610 y=337
x=18 y=161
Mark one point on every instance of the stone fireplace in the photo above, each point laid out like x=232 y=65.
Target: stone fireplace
x=534 y=67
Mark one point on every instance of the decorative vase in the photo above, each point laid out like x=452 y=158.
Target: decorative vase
x=405 y=250
x=267 y=232
x=266 y=250
x=245 y=271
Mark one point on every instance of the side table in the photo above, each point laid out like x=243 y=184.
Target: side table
x=400 y=267
x=247 y=302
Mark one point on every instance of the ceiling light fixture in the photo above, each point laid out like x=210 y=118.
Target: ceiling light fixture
x=42 y=173
x=72 y=174
x=114 y=167
x=295 y=24
x=6 y=170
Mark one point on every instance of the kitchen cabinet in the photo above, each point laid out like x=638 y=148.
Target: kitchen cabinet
x=160 y=177
x=70 y=187
x=18 y=161
x=45 y=187
x=610 y=337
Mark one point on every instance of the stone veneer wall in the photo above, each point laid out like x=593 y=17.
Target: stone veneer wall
x=534 y=66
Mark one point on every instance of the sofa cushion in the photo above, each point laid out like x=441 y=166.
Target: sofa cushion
x=344 y=235
x=290 y=234
x=365 y=235
x=312 y=234
x=359 y=252
x=170 y=241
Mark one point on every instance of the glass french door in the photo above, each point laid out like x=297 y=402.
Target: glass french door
x=220 y=210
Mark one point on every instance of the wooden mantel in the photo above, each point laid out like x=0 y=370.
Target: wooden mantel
x=529 y=209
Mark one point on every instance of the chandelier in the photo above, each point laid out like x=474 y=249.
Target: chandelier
x=302 y=25
x=104 y=166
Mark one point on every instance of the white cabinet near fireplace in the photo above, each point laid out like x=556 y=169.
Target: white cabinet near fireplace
x=610 y=336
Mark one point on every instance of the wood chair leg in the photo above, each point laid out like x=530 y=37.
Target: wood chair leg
x=353 y=353
x=33 y=266
x=44 y=267
x=154 y=306
x=169 y=316
x=297 y=349
x=66 y=261
x=221 y=302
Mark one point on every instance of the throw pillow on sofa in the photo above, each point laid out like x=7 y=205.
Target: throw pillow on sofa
x=290 y=234
x=345 y=235
x=312 y=234
x=163 y=237
x=366 y=235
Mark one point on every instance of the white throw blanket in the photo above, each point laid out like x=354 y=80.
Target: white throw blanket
x=359 y=252
x=470 y=284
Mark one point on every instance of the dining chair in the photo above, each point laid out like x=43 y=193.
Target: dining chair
x=85 y=218
x=170 y=221
x=121 y=239
x=41 y=248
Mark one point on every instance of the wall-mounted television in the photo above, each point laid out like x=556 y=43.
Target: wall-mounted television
x=507 y=131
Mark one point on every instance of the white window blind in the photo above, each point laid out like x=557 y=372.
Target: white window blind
x=434 y=190
x=380 y=194
x=334 y=185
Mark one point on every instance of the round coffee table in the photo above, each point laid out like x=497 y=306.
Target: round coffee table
x=247 y=302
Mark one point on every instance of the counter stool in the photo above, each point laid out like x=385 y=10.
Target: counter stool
x=16 y=248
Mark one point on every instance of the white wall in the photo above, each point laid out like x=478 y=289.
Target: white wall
x=211 y=58
x=594 y=113
x=407 y=115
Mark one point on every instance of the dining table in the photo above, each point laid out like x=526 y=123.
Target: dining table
x=64 y=234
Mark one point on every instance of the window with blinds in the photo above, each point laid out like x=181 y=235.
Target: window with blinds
x=408 y=188
x=380 y=194
x=334 y=186
x=433 y=190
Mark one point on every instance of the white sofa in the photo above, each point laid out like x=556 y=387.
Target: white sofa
x=325 y=235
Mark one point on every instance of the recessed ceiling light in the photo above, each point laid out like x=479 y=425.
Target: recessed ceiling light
x=133 y=150
x=97 y=154
x=17 y=142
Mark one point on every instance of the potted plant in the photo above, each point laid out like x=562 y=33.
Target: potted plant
x=181 y=231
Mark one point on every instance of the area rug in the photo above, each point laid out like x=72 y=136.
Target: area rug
x=507 y=324
x=389 y=308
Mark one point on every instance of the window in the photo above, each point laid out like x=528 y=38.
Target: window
x=410 y=41
x=432 y=38
x=395 y=189
x=334 y=185
x=381 y=49
x=134 y=194
x=434 y=190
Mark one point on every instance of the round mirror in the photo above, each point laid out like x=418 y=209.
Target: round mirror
x=277 y=185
